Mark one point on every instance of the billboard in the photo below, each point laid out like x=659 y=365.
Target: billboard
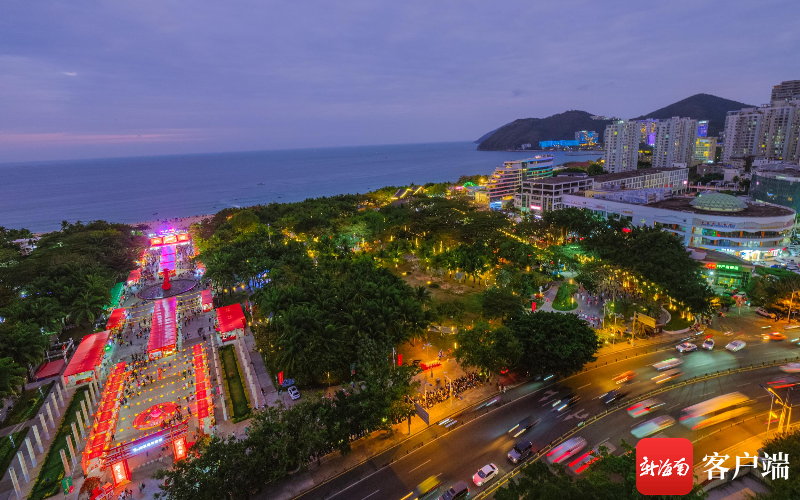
x=702 y=128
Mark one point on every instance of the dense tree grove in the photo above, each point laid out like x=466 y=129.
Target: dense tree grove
x=64 y=283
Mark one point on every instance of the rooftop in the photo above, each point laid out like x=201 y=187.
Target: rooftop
x=778 y=170
x=632 y=173
x=718 y=202
x=682 y=204
x=535 y=159
x=558 y=180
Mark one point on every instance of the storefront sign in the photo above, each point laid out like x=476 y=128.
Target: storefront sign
x=142 y=447
x=120 y=473
x=723 y=267
x=179 y=447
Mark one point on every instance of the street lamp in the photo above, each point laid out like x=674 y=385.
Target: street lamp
x=450 y=392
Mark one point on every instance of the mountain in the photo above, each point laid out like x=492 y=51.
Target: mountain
x=532 y=130
x=486 y=135
x=700 y=107
x=564 y=125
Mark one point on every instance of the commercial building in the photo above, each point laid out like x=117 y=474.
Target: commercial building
x=702 y=128
x=777 y=183
x=621 y=146
x=712 y=221
x=675 y=141
x=564 y=143
x=705 y=149
x=542 y=195
x=786 y=91
x=647 y=131
x=722 y=269
x=675 y=178
x=587 y=138
x=505 y=181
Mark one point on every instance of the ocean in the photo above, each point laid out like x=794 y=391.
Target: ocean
x=39 y=195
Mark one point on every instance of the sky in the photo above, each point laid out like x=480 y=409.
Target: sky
x=88 y=78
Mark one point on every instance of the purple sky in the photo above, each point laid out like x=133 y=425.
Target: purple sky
x=90 y=78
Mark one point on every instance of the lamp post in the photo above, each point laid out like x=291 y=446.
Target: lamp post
x=450 y=392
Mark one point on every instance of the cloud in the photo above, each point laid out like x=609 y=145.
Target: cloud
x=69 y=73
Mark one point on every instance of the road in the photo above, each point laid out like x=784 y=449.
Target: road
x=480 y=436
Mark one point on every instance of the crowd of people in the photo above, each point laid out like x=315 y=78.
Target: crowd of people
x=437 y=395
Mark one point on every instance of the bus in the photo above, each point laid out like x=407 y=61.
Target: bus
x=715 y=410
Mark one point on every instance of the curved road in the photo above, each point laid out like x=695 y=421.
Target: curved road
x=480 y=435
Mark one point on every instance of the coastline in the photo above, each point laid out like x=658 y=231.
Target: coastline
x=173 y=223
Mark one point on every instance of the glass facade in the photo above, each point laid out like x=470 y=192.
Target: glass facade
x=785 y=191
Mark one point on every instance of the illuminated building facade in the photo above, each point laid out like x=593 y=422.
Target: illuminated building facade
x=621 y=146
x=675 y=141
x=705 y=149
x=505 y=181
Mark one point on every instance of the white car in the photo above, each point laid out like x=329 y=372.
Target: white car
x=644 y=407
x=486 y=474
x=791 y=368
x=736 y=345
x=667 y=364
x=294 y=392
x=652 y=426
x=566 y=450
x=686 y=347
x=765 y=313
x=708 y=344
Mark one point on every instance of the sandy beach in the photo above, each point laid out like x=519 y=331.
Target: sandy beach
x=174 y=223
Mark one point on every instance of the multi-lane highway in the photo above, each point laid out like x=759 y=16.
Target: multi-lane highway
x=480 y=435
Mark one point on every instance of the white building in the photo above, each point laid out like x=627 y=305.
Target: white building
x=621 y=146
x=786 y=91
x=771 y=131
x=712 y=221
x=675 y=178
x=505 y=181
x=674 y=142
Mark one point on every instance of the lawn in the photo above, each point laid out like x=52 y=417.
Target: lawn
x=677 y=323
x=563 y=300
x=48 y=483
x=7 y=451
x=240 y=405
x=27 y=406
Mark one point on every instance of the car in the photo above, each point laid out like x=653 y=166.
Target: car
x=652 y=426
x=791 y=368
x=613 y=396
x=583 y=461
x=294 y=393
x=644 y=407
x=667 y=364
x=775 y=336
x=521 y=450
x=458 y=491
x=708 y=344
x=486 y=474
x=783 y=382
x=523 y=425
x=765 y=313
x=426 y=487
x=667 y=375
x=567 y=403
x=686 y=347
x=565 y=450
x=561 y=399
x=736 y=345
x=624 y=377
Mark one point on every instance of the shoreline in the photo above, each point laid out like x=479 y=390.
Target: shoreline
x=173 y=223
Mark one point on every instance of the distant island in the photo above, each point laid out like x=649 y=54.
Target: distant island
x=512 y=136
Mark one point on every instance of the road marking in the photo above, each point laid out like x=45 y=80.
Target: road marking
x=764 y=396
x=671 y=407
x=365 y=498
x=745 y=384
x=706 y=394
x=581 y=387
x=418 y=466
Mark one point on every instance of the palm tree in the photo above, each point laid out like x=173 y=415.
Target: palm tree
x=423 y=295
x=87 y=306
x=23 y=343
x=12 y=377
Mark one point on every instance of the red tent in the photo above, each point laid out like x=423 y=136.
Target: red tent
x=206 y=300
x=50 y=369
x=231 y=318
x=86 y=359
x=164 y=333
x=117 y=319
x=134 y=276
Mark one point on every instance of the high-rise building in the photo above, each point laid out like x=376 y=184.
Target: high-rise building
x=675 y=141
x=647 y=131
x=786 y=91
x=621 y=146
x=770 y=132
x=705 y=149
x=506 y=180
x=586 y=137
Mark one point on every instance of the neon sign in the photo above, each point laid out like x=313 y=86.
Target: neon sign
x=141 y=447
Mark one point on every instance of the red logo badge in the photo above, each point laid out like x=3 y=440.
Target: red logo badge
x=664 y=466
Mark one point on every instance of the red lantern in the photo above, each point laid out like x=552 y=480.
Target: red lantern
x=399 y=360
x=280 y=378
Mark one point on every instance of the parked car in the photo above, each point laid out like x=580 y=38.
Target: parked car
x=458 y=491
x=686 y=347
x=294 y=392
x=736 y=345
x=765 y=313
x=485 y=474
